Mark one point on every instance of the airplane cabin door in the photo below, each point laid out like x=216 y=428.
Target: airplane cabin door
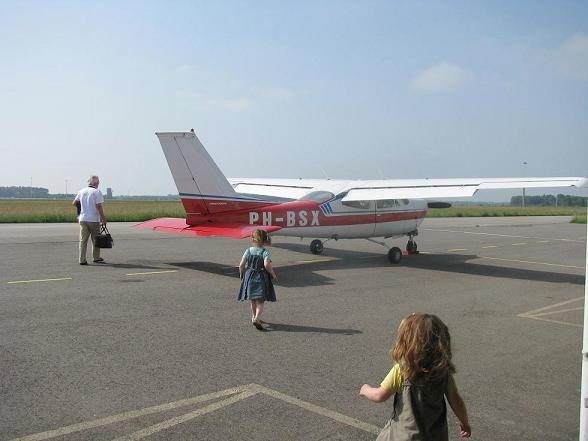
x=353 y=218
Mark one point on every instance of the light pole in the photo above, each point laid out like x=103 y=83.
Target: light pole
x=524 y=176
x=66 y=187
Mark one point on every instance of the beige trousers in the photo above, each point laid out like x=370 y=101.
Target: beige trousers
x=89 y=230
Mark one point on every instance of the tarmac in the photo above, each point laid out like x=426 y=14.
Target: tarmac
x=154 y=345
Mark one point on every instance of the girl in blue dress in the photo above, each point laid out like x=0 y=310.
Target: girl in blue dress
x=256 y=272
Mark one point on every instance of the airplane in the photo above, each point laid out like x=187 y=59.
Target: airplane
x=310 y=208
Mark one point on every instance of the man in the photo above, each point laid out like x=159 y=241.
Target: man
x=90 y=200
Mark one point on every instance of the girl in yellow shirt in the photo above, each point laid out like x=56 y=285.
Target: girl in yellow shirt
x=420 y=381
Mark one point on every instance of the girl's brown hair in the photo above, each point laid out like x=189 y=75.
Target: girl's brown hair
x=423 y=349
x=260 y=237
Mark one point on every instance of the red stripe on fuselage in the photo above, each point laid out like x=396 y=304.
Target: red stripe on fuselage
x=287 y=215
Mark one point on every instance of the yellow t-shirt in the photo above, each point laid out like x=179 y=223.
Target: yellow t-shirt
x=393 y=381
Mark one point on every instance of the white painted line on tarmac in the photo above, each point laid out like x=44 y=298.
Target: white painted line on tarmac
x=148 y=431
x=556 y=305
x=518 y=243
x=238 y=393
x=538 y=314
x=152 y=272
x=456 y=249
x=532 y=262
x=559 y=311
x=502 y=235
x=491 y=246
x=38 y=280
x=128 y=415
x=317 y=409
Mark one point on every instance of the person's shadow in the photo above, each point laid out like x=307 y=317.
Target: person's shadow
x=284 y=327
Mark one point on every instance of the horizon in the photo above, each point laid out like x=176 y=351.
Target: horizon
x=297 y=89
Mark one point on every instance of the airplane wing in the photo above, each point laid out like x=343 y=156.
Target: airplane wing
x=279 y=188
x=179 y=226
x=450 y=188
x=395 y=188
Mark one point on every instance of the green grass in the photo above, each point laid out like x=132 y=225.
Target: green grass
x=44 y=210
x=579 y=213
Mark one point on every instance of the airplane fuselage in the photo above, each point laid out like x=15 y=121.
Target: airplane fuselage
x=305 y=218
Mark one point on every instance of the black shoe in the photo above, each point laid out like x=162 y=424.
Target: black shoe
x=257 y=324
x=83 y=263
x=99 y=260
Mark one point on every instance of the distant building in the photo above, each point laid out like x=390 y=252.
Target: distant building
x=109 y=193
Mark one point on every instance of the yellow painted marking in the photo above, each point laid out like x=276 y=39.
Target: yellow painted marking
x=152 y=272
x=501 y=235
x=519 y=243
x=238 y=394
x=39 y=280
x=424 y=252
x=313 y=261
x=457 y=249
x=491 y=246
x=531 y=262
x=543 y=241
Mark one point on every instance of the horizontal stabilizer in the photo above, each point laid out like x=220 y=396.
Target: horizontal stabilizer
x=179 y=226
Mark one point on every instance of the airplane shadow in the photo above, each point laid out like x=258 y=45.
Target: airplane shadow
x=307 y=273
x=283 y=327
x=459 y=263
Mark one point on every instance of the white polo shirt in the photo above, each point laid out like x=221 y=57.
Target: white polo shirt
x=88 y=198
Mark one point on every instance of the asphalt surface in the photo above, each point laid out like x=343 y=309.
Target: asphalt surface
x=153 y=345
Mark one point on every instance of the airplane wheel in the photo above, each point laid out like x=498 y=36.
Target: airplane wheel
x=394 y=255
x=316 y=246
x=411 y=247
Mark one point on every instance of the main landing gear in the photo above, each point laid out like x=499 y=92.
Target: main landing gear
x=394 y=254
x=316 y=247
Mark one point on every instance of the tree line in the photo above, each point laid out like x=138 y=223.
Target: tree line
x=549 y=200
x=24 y=192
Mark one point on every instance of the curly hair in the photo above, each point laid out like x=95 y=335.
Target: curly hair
x=423 y=349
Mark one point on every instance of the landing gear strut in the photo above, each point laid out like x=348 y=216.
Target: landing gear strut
x=411 y=245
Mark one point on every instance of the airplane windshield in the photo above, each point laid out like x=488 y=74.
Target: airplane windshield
x=318 y=196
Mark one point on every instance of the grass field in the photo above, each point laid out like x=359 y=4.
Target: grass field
x=43 y=210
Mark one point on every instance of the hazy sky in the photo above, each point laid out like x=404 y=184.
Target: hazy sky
x=344 y=89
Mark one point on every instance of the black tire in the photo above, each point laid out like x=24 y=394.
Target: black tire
x=316 y=247
x=395 y=255
x=411 y=247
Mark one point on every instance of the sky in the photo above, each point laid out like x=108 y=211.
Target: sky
x=291 y=89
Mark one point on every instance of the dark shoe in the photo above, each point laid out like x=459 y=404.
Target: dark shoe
x=83 y=263
x=99 y=260
x=257 y=324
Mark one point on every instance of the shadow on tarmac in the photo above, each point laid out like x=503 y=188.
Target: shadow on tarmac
x=283 y=327
x=306 y=273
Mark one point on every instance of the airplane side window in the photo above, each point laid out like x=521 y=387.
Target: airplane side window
x=404 y=201
x=387 y=203
x=362 y=205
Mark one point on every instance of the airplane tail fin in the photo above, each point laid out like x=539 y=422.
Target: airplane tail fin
x=203 y=188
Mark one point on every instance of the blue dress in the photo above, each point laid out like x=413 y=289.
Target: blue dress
x=257 y=282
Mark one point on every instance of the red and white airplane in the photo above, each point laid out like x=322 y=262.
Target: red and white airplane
x=310 y=208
